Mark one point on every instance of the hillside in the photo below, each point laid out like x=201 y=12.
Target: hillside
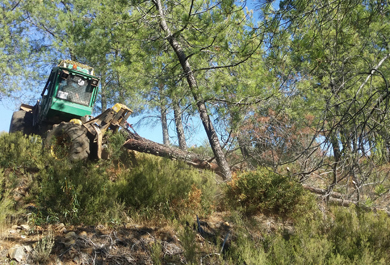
x=141 y=209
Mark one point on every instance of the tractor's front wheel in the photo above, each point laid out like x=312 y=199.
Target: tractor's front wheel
x=68 y=140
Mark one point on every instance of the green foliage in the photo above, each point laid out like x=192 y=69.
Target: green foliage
x=245 y=250
x=43 y=248
x=114 y=144
x=155 y=252
x=344 y=236
x=6 y=204
x=353 y=231
x=20 y=151
x=19 y=154
x=77 y=193
x=161 y=186
x=188 y=240
x=203 y=150
x=351 y=237
x=265 y=191
x=93 y=192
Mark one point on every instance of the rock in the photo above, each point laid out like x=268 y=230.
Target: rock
x=12 y=231
x=70 y=239
x=70 y=235
x=58 y=261
x=60 y=228
x=69 y=243
x=171 y=249
x=89 y=250
x=83 y=234
x=25 y=227
x=28 y=249
x=17 y=253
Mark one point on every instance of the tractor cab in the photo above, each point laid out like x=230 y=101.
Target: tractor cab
x=69 y=93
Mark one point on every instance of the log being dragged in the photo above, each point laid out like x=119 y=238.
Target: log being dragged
x=140 y=144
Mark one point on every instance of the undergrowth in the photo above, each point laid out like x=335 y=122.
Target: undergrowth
x=267 y=192
x=140 y=187
x=343 y=236
x=107 y=191
x=18 y=154
x=6 y=203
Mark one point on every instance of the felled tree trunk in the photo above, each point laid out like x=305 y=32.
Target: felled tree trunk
x=137 y=143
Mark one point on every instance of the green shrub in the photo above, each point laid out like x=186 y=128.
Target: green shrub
x=20 y=151
x=102 y=192
x=243 y=248
x=358 y=234
x=115 y=144
x=162 y=186
x=19 y=154
x=6 y=203
x=346 y=236
x=265 y=191
x=343 y=236
x=76 y=192
x=203 y=150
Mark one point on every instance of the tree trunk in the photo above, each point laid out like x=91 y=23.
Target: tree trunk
x=164 y=124
x=137 y=143
x=179 y=125
x=243 y=147
x=207 y=124
x=103 y=95
x=163 y=112
x=103 y=100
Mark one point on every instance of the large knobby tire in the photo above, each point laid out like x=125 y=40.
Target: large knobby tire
x=22 y=121
x=68 y=140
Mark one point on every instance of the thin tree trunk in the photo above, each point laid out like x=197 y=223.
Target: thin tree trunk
x=163 y=112
x=337 y=155
x=103 y=95
x=164 y=124
x=207 y=124
x=179 y=125
x=103 y=100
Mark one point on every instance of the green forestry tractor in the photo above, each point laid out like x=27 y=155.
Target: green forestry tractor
x=63 y=115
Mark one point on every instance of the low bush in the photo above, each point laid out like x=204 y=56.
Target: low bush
x=19 y=151
x=90 y=193
x=170 y=188
x=265 y=191
x=358 y=234
x=343 y=236
x=19 y=155
x=6 y=203
x=76 y=192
